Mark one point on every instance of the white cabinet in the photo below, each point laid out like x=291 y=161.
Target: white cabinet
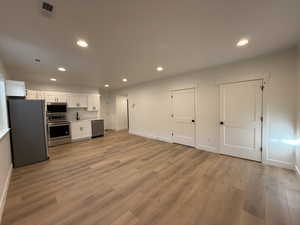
x=77 y=101
x=89 y=101
x=81 y=129
x=31 y=94
x=61 y=97
x=55 y=97
x=93 y=102
x=40 y=95
x=35 y=95
x=50 y=97
x=15 y=88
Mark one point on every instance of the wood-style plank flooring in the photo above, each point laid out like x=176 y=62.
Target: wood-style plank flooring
x=123 y=179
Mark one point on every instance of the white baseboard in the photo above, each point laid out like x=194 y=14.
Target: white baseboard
x=207 y=148
x=151 y=136
x=81 y=139
x=297 y=170
x=4 y=194
x=121 y=129
x=280 y=164
x=164 y=139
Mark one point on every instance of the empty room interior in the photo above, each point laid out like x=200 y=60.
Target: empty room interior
x=153 y=112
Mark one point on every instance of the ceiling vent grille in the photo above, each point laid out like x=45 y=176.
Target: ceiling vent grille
x=47 y=9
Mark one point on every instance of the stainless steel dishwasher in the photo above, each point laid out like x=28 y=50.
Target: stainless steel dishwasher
x=97 y=128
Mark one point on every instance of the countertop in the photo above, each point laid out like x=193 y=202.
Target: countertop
x=89 y=119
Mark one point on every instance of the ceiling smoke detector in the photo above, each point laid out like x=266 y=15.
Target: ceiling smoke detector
x=47 y=9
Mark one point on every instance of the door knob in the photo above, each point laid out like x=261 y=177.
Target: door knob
x=221 y=123
x=193 y=121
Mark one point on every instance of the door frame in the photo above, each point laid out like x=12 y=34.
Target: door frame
x=127 y=114
x=195 y=112
x=265 y=108
x=261 y=116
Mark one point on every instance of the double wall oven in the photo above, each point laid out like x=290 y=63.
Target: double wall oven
x=59 y=128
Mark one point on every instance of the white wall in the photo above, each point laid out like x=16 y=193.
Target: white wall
x=298 y=113
x=150 y=115
x=5 y=157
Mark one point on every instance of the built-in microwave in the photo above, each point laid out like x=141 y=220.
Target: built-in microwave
x=55 y=107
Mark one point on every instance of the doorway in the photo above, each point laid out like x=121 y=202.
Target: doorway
x=241 y=119
x=121 y=113
x=127 y=114
x=183 y=117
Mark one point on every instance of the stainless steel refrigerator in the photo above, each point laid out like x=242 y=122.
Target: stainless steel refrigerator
x=28 y=131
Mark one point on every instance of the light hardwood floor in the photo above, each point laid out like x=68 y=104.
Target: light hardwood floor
x=123 y=179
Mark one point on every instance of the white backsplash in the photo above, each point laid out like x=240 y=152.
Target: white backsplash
x=83 y=114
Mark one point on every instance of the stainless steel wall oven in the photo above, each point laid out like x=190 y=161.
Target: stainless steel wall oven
x=59 y=128
x=59 y=133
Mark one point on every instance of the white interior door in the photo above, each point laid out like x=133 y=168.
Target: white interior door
x=240 y=125
x=183 y=102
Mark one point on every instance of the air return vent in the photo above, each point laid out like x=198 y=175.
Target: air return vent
x=47 y=8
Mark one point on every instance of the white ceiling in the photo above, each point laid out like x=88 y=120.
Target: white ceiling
x=130 y=38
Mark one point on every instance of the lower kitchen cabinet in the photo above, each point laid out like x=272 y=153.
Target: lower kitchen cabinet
x=81 y=129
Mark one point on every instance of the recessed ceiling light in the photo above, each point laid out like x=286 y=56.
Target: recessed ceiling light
x=82 y=43
x=124 y=79
x=62 y=69
x=53 y=79
x=159 y=68
x=242 y=42
x=106 y=85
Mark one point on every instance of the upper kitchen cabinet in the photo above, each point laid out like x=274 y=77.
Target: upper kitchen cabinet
x=35 y=95
x=93 y=102
x=77 y=101
x=15 y=88
x=74 y=100
x=31 y=94
x=55 y=97
x=61 y=97
x=50 y=97
x=40 y=95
